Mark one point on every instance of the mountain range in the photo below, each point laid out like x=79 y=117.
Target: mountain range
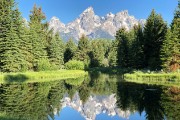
x=94 y=26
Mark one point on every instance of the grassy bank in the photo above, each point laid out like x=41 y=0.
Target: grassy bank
x=154 y=78
x=42 y=76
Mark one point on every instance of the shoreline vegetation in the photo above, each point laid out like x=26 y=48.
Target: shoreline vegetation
x=42 y=76
x=168 y=79
x=129 y=75
x=143 y=76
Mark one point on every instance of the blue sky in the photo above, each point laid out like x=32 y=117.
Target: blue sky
x=68 y=10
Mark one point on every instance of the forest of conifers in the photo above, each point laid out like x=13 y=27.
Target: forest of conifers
x=34 y=46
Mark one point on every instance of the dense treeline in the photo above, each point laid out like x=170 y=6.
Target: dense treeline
x=27 y=46
x=33 y=46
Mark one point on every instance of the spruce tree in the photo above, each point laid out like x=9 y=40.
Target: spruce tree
x=123 y=48
x=137 y=54
x=154 y=33
x=56 y=51
x=170 y=52
x=97 y=53
x=112 y=55
x=83 y=50
x=11 y=57
x=37 y=35
x=166 y=51
x=26 y=47
x=70 y=49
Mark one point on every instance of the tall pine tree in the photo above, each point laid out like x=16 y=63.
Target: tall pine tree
x=37 y=35
x=123 y=48
x=56 y=50
x=97 y=53
x=83 y=50
x=112 y=55
x=170 y=52
x=11 y=57
x=154 y=34
x=70 y=49
x=136 y=52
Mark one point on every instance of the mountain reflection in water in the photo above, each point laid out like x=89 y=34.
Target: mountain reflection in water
x=97 y=96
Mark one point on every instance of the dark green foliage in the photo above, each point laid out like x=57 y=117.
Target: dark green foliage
x=154 y=35
x=123 y=48
x=136 y=49
x=170 y=52
x=56 y=50
x=70 y=49
x=166 y=55
x=140 y=48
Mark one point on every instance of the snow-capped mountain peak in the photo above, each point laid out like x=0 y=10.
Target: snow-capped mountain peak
x=94 y=26
x=89 y=9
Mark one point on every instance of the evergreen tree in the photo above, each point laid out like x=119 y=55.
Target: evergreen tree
x=123 y=48
x=56 y=50
x=37 y=35
x=11 y=57
x=170 y=52
x=106 y=46
x=97 y=53
x=137 y=54
x=154 y=34
x=83 y=50
x=70 y=49
x=112 y=55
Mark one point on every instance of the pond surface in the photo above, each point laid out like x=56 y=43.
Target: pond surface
x=95 y=97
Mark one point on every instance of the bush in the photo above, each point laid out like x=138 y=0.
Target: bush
x=43 y=65
x=74 y=65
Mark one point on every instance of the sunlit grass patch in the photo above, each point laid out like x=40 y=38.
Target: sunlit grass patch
x=157 y=78
x=42 y=76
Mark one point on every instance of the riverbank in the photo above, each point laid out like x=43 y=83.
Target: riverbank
x=154 y=78
x=142 y=76
x=43 y=76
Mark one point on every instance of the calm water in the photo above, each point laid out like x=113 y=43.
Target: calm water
x=96 y=97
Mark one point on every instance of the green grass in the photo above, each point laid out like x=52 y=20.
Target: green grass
x=154 y=78
x=43 y=76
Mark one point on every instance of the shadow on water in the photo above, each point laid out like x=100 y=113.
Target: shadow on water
x=15 y=78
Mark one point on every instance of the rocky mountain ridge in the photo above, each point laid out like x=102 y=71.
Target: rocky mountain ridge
x=94 y=26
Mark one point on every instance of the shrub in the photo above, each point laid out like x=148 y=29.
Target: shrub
x=43 y=65
x=74 y=65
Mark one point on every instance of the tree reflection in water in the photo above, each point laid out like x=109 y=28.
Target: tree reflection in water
x=42 y=101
